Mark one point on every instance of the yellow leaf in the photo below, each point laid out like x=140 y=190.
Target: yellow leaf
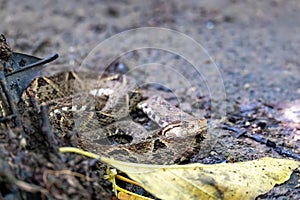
x=125 y=196
x=245 y=180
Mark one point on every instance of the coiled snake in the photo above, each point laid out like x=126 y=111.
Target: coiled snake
x=113 y=118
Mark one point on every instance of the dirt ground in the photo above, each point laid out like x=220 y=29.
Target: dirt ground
x=254 y=44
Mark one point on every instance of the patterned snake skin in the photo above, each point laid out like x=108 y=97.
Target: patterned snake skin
x=101 y=108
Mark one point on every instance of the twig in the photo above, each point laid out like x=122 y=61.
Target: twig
x=243 y=132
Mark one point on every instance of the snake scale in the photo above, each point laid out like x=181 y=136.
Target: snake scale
x=106 y=112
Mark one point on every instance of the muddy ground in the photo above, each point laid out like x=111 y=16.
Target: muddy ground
x=255 y=46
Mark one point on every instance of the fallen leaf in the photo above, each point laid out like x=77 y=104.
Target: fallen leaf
x=245 y=180
x=125 y=196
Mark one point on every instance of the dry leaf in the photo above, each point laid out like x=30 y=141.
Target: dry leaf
x=125 y=196
x=245 y=180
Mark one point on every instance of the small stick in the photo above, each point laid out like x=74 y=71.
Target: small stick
x=279 y=149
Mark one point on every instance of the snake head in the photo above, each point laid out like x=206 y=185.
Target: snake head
x=185 y=128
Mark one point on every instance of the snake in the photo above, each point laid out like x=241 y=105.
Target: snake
x=102 y=111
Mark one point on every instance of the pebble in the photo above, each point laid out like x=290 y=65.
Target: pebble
x=247 y=86
x=210 y=25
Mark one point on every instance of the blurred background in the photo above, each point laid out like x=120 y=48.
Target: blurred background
x=254 y=43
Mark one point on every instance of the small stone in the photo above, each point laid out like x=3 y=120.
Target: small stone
x=23 y=142
x=122 y=68
x=247 y=123
x=247 y=86
x=210 y=25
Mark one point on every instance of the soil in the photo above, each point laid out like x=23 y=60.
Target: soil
x=245 y=96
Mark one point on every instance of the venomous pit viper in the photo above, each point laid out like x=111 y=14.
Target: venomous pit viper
x=107 y=107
